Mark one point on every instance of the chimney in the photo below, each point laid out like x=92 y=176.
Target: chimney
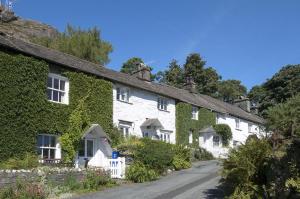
x=243 y=103
x=190 y=85
x=142 y=72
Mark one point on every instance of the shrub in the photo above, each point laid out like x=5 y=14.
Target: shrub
x=29 y=161
x=95 y=179
x=224 y=131
x=182 y=157
x=71 y=183
x=155 y=155
x=203 y=154
x=138 y=172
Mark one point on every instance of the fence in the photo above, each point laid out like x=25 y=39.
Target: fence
x=117 y=167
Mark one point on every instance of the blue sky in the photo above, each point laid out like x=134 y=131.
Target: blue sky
x=241 y=39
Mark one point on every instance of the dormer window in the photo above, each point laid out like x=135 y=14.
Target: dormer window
x=195 y=113
x=123 y=94
x=58 y=89
x=162 y=103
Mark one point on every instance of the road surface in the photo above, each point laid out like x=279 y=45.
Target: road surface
x=200 y=181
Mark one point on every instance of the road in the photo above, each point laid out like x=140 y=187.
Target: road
x=200 y=181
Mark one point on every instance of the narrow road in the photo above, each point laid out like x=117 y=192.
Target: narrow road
x=198 y=182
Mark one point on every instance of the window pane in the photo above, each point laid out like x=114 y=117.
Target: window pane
x=45 y=153
x=52 y=153
x=49 y=94
x=46 y=140
x=49 y=82
x=40 y=141
x=61 y=97
x=56 y=83
x=62 y=85
x=90 y=148
x=52 y=141
x=81 y=148
x=55 y=96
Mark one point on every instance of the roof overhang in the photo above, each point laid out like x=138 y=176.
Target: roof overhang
x=152 y=122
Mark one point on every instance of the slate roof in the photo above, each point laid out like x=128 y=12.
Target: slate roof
x=78 y=64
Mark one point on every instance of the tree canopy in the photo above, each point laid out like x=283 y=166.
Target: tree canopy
x=231 y=89
x=130 y=65
x=85 y=44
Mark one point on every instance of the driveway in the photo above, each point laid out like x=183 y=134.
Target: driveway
x=200 y=181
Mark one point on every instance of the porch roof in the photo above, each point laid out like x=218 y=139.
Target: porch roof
x=209 y=129
x=152 y=122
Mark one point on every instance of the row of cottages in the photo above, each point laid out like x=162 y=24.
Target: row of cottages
x=133 y=103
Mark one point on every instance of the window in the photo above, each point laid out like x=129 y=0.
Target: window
x=162 y=103
x=235 y=143
x=165 y=136
x=145 y=134
x=123 y=94
x=86 y=148
x=237 y=123
x=190 y=137
x=250 y=128
x=195 y=113
x=125 y=128
x=216 y=141
x=46 y=146
x=57 y=89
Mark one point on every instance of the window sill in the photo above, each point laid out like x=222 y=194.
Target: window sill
x=164 y=110
x=194 y=118
x=238 y=129
x=58 y=102
x=124 y=102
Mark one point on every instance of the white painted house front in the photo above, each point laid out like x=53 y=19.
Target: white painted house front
x=143 y=114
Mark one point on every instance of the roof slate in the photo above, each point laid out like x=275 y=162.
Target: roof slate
x=78 y=64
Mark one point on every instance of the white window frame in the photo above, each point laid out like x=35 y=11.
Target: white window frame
x=237 y=124
x=165 y=136
x=162 y=104
x=190 y=137
x=85 y=147
x=195 y=111
x=123 y=94
x=65 y=99
x=216 y=144
x=42 y=147
x=125 y=128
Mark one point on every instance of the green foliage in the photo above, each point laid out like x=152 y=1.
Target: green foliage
x=225 y=132
x=282 y=86
x=79 y=122
x=173 y=76
x=131 y=65
x=129 y=145
x=96 y=179
x=202 y=154
x=85 y=44
x=182 y=157
x=138 y=172
x=231 y=89
x=25 y=111
x=284 y=118
x=29 y=161
x=184 y=123
x=154 y=154
x=72 y=183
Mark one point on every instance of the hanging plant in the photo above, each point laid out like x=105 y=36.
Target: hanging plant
x=225 y=132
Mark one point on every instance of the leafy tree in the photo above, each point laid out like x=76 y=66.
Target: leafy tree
x=130 y=65
x=229 y=90
x=279 y=88
x=194 y=66
x=85 y=44
x=173 y=76
x=209 y=82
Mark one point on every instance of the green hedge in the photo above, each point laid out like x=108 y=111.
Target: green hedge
x=184 y=123
x=25 y=110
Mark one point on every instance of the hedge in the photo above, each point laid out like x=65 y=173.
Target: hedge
x=185 y=123
x=26 y=112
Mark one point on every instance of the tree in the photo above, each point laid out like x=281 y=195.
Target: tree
x=130 y=65
x=229 y=90
x=282 y=86
x=209 y=82
x=85 y=44
x=173 y=76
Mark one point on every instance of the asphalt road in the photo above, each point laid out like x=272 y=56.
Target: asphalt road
x=198 y=182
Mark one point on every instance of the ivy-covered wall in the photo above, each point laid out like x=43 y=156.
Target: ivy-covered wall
x=185 y=123
x=25 y=110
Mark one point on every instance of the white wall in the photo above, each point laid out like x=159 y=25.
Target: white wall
x=143 y=104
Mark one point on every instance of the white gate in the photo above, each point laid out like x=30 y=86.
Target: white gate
x=117 y=167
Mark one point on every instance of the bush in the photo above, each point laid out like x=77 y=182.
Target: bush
x=203 y=154
x=29 y=161
x=225 y=132
x=155 y=155
x=71 y=183
x=182 y=157
x=96 y=179
x=138 y=172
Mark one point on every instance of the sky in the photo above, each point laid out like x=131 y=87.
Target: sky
x=248 y=40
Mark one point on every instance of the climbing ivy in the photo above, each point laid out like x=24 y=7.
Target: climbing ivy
x=25 y=111
x=185 y=123
x=225 y=132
